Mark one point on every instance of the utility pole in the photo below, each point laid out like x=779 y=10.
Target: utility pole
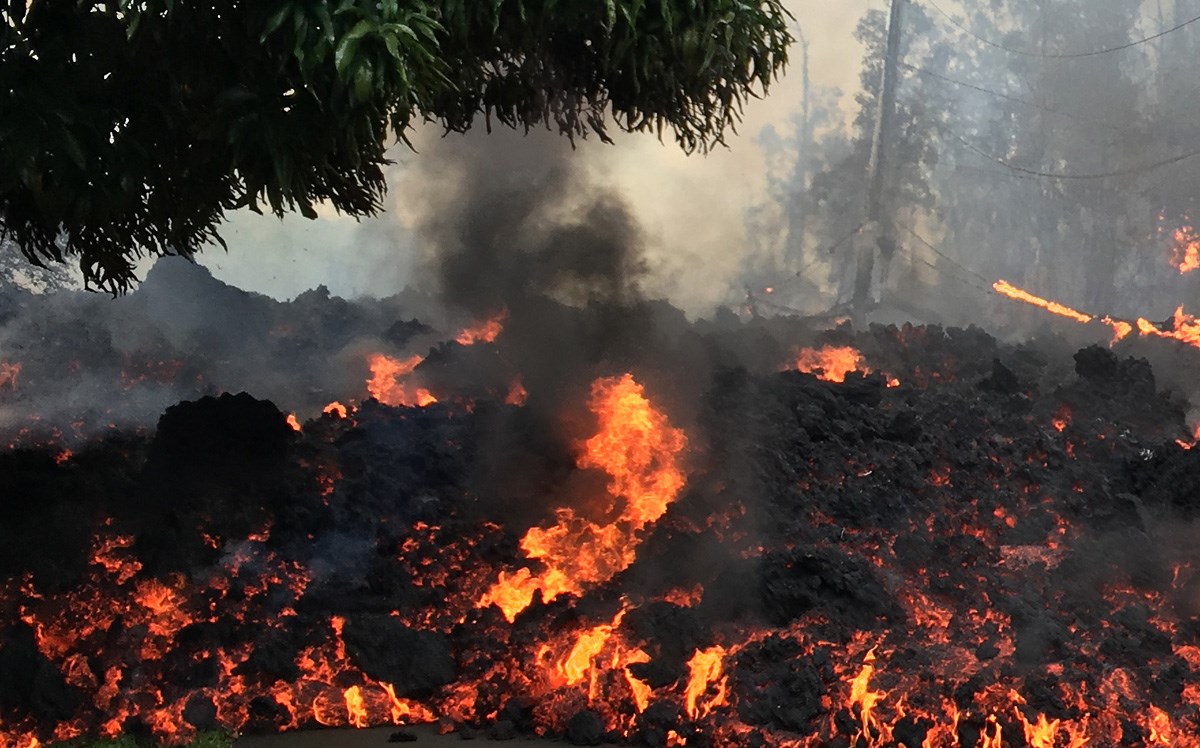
x=878 y=235
x=798 y=215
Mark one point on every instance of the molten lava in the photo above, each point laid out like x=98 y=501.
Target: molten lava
x=640 y=450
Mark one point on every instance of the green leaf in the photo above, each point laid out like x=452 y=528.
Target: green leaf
x=402 y=30
x=495 y=14
x=74 y=150
x=364 y=79
x=393 y=46
x=361 y=29
x=326 y=21
x=347 y=49
x=275 y=21
x=610 y=7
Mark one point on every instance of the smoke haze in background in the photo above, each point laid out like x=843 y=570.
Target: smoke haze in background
x=689 y=209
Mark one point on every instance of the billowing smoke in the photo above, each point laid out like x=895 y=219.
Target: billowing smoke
x=508 y=217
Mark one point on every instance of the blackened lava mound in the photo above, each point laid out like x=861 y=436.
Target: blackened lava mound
x=966 y=536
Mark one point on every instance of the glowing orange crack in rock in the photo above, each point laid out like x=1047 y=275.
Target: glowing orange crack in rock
x=639 y=449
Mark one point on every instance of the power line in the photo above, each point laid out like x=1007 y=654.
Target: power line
x=1015 y=99
x=822 y=254
x=986 y=283
x=1142 y=168
x=1058 y=56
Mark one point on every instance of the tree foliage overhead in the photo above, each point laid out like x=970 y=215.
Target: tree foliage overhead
x=130 y=127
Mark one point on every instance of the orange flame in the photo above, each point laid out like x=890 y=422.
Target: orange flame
x=387 y=382
x=1040 y=734
x=356 y=710
x=830 y=363
x=1185 y=254
x=864 y=698
x=1186 y=328
x=337 y=409
x=1011 y=291
x=293 y=421
x=1158 y=723
x=577 y=665
x=517 y=394
x=640 y=689
x=704 y=669
x=639 y=449
x=485 y=332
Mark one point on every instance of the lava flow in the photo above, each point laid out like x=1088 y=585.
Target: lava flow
x=1000 y=555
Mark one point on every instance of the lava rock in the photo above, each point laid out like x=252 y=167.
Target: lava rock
x=1001 y=380
x=30 y=685
x=402 y=736
x=200 y=712
x=585 y=728
x=502 y=730
x=826 y=580
x=414 y=662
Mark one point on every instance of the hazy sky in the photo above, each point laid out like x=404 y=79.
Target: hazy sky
x=690 y=207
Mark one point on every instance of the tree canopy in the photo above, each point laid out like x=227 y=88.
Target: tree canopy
x=131 y=127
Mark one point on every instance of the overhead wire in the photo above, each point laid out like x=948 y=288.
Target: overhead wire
x=987 y=284
x=1128 y=171
x=1058 y=55
x=1014 y=99
x=822 y=254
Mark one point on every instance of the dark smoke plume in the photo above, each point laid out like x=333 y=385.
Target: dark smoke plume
x=508 y=217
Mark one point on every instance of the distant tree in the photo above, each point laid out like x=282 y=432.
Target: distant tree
x=18 y=273
x=829 y=187
x=1036 y=112
x=131 y=127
